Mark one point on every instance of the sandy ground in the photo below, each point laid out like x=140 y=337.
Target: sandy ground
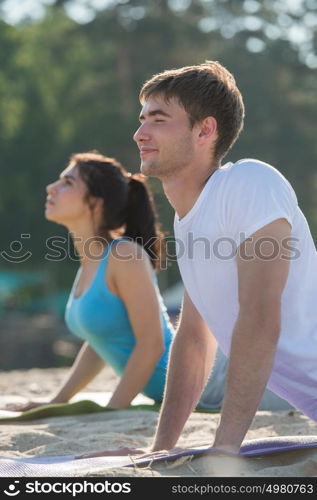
x=95 y=432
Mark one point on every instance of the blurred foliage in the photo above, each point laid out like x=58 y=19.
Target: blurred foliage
x=67 y=87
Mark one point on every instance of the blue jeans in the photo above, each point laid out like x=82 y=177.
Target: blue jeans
x=213 y=393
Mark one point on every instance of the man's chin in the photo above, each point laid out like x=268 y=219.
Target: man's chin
x=149 y=170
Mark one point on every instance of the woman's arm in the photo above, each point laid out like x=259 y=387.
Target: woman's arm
x=86 y=366
x=132 y=277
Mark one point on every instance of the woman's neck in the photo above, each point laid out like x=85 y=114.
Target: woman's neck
x=89 y=247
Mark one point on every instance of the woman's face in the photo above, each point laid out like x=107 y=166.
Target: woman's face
x=66 y=203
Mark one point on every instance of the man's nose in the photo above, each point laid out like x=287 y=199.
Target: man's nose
x=141 y=134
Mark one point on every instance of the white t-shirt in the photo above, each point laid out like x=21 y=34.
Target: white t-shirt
x=237 y=200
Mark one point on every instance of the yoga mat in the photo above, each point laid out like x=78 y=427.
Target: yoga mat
x=79 y=405
x=84 y=402
x=67 y=465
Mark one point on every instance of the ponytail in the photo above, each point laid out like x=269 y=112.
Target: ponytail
x=141 y=222
x=127 y=201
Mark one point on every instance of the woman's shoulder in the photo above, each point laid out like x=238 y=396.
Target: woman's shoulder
x=127 y=246
x=128 y=253
x=129 y=267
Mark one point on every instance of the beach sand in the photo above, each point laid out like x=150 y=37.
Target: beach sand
x=89 y=433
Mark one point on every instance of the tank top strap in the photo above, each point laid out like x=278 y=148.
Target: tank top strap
x=101 y=271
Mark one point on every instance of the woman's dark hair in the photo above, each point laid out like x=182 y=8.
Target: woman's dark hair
x=127 y=201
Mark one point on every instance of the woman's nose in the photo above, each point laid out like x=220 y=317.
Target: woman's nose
x=50 y=188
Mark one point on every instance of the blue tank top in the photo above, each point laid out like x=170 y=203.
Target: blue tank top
x=100 y=318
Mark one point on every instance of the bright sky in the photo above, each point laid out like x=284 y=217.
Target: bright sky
x=300 y=34
x=15 y=10
x=82 y=11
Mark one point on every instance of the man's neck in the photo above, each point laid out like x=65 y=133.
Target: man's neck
x=183 y=191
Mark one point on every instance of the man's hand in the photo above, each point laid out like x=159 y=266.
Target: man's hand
x=122 y=451
x=125 y=451
x=153 y=455
x=226 y=449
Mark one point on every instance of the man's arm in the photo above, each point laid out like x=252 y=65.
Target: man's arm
x=192 y=354
x=256 y=332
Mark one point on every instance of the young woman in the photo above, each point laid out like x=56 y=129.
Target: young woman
x=114 y=306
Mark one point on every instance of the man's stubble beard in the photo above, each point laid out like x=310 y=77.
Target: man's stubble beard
x=175 y=163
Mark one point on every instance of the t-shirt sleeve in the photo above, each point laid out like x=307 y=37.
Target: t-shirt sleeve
x=254 y=195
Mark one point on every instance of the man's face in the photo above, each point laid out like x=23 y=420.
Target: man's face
x=165 y=138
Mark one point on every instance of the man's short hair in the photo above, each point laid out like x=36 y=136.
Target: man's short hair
x=207 y=89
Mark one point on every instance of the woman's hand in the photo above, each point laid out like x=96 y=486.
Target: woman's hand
x=30 y=405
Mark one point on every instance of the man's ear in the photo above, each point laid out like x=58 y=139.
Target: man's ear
x=207 y=128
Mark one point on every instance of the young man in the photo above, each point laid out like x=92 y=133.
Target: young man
x=246 y=257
